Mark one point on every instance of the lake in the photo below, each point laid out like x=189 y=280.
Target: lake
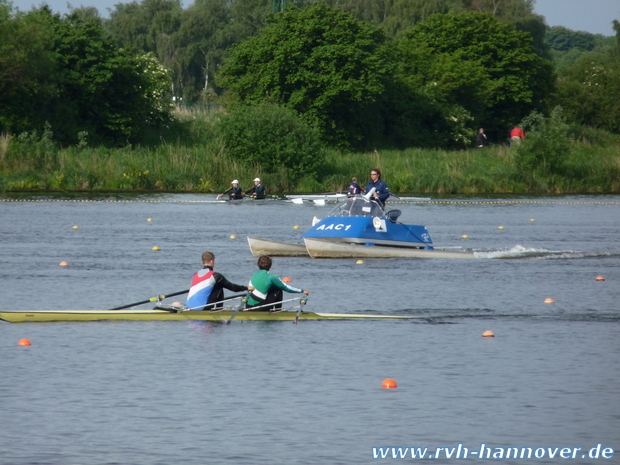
x=149 y=393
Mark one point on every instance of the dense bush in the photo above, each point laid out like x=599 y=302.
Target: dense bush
x=546 y=147
x=273 y=137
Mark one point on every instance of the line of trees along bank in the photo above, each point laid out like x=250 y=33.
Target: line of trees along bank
x=352 y=74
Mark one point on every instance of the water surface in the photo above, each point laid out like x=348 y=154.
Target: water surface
x=276 y=393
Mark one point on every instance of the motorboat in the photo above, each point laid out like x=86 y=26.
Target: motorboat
x=360 y=227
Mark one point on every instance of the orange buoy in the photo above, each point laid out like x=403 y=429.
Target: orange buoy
x=389 y=384
x=488 y=334
x=600 y=278
x=286 y=280
x=549 y=300
x=177 y=304
x=63 y=264
x=24 y=342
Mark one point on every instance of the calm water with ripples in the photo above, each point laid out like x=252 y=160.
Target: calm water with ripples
x=149 y=393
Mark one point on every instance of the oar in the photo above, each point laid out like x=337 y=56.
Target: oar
x=241 y=304
x=157 y=298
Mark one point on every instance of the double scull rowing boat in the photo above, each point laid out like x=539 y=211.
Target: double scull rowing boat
x=48 y=316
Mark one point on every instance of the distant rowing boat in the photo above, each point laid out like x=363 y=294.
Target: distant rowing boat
x=49 y=316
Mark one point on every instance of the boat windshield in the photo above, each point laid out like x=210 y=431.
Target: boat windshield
x=357 y=206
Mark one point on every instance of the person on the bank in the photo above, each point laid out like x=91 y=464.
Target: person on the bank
x=481 y=139
x=516 y=135
x=234 y=192
x=258 y=191
x=207 y=288
x=381 y=190
x=354 y=188
x=267 y=288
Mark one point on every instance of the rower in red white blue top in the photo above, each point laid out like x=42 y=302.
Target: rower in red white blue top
x=207 y=288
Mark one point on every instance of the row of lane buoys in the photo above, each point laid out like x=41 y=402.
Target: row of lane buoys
x=389 y=383
x=465 y=236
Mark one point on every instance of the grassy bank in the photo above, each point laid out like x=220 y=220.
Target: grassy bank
x=191 y=158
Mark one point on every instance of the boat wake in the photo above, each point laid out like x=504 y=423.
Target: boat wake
x=453 y=315
x=520 y=252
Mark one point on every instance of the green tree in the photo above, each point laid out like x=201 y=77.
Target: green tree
x=479 y=63
x=563 y=39
x=198 y=48
x=319 y=61
x=28 y=70
x=111 y=93
x=70 y=73
x=273 y=137
x=590 y=91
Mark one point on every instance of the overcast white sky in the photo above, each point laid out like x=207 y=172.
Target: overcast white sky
x=593 y=16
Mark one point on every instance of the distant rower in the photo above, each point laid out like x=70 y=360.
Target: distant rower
x=234 y=192
x=258 y=191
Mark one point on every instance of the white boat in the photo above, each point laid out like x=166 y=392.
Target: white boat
x=324 y=248
x=260 y=247
x=317 y=199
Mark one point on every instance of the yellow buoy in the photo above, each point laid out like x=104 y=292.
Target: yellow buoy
x=76 y=227
x=63 y=264
x=156 y=248
x=488 y=334
x=232 y=236
x=465 y=236
x=149 y=219
x=296 y=226
x=532 y=220
x=500 y=227
x=359 y=262
x=549 y=300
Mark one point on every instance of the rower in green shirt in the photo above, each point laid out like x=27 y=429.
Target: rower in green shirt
x=268 y=288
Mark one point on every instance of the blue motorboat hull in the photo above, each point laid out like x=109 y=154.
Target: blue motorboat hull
x=370 y=230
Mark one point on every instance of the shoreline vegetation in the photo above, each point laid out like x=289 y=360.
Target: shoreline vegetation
x=191 y=157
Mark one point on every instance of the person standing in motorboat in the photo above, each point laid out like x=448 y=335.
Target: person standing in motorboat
x=235 y=192
x=258 y=191
x=381 y=191
x=207 y=289
x=267 y=288
x=354 y=188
